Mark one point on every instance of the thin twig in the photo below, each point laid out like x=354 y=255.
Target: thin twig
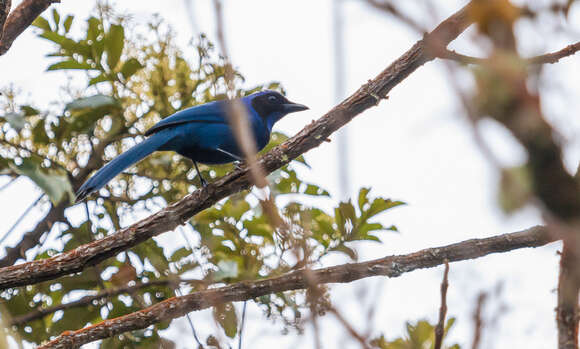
x=242 y=324
x=32 y=237
x=10 y=182
x=548 y=58
x=389 y=8
x=440 y=328
x=391 y=266
x=351 y=330
x=188 y=316
x=24 y=214
x=478 y=320
x=239 y=120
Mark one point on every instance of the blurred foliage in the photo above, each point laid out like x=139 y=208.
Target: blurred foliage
x=420 y=335
x=123 y=78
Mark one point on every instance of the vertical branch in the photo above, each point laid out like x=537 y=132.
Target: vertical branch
x=568 y=288
x=440 y=328
x=477 y=320
x=239 y=120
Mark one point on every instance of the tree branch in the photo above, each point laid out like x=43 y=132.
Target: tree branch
x=548 y=58
x=440 y=328
x=86 y=300
x=20 y=19
x=5 y=6
x=391 y=266
x=311 y=136
x=568 y=288
x=31 y=238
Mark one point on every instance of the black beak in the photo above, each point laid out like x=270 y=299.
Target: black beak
x=293 y=107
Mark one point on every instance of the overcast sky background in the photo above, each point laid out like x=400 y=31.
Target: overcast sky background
x=416 y=147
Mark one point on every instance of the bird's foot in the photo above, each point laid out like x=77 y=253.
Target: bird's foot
x=203 y=182
x=239 y=165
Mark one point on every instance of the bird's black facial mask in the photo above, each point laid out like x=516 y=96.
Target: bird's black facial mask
x=273 y=103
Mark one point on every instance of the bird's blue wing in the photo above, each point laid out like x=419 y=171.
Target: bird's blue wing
x=213 y=112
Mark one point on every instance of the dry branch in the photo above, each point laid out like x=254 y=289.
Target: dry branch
x=568 y=287
x=547 y=58
x=311 y=136
x=86 y=300
x=440 y=328
x=478 y=320
x=20 y=19
x=5 y=6
x=391 y=266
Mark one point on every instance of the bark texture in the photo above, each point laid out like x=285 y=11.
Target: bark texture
x=391 y=266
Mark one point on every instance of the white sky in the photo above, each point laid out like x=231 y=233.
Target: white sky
x=416 y=147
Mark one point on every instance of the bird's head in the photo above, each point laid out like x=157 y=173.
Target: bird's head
x=272 y=106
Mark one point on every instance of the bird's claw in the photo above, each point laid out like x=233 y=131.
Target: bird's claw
x=239 y=165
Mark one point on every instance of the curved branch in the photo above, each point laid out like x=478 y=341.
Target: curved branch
x=311 y=136
x=547 y=58
x=20 y=19
x=86 y=300
x=391 y=266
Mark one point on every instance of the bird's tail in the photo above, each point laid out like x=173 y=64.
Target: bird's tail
x=121 y=162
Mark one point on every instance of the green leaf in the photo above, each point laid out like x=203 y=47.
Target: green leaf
x=99 y=78
x=151 y=250
x=346 y=250
x=130 y=67
x=226 y=317
x=94 y=29
x=15 y=120
x=227 y=269
x=114 y=42
x=29 y=111
x=92 y=102
x=70 y=64
x=515 y=189
x=363 y=198
x=42 y=23
x=54 y=183
x=380 y=205
x=56 y=18
x=315 y=190
x=39 y=133
x=179 y=254
x=68 y=22
x=54 y=37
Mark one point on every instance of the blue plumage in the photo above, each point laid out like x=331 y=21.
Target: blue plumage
x=200 y=133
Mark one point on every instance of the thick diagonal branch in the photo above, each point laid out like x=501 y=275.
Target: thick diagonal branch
x=391 y=266
x=5 y=6
x=176 y=214
x=20 y=19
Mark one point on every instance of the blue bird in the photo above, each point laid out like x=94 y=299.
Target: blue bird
x=201 y=133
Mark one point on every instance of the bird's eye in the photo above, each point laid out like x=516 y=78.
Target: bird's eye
x=272 y=98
